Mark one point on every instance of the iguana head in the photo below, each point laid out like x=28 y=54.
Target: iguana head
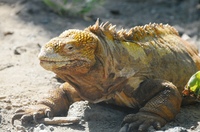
x=72 y=52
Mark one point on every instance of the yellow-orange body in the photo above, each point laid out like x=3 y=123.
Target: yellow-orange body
x=138 y=68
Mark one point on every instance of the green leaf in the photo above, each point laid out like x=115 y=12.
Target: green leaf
x=194 y=83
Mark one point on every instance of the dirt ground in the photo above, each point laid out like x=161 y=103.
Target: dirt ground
x=25 y=25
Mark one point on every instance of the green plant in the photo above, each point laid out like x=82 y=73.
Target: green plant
x=193 y=86
x=76 y=6
x=56 y=7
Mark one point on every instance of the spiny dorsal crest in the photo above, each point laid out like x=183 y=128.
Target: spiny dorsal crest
x=137 y=33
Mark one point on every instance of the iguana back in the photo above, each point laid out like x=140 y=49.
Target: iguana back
x=152 y=50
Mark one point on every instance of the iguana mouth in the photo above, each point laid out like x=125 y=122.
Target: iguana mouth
x=55 y=64
x=60 y=63
x=52 y=61
x=64 y=65
x=57 y=61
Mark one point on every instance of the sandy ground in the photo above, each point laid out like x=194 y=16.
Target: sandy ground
x=25 y=25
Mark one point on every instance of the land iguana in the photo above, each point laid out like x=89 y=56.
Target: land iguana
x=143 y=68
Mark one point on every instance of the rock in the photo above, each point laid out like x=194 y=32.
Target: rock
x=19 y=50
x=8 y=107
x=8 y=130
x=177 y=129
x=4 y=111
x=77 y=109
x=17 y=105
x=2 y=97
x=97 y=115
x=6 y=33
x=192 y=127
x=7 y=101
x=20 y=128
x=185 y=37
x=51 y=128
x=43 y=128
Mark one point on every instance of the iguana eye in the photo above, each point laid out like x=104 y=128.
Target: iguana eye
x=69 y=47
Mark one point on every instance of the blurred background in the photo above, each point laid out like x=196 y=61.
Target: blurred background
x=184 y=14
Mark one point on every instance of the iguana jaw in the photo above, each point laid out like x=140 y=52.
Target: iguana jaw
x=51 y=64
x=63 y=64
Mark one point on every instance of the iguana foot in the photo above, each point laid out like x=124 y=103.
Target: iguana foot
x=32 y=114
x=141 y=122
x=56 y=103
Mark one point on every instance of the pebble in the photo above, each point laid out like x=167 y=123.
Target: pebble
x=2 y=97
x=8 y=107
x=8 y=130
x=177 y=129
x=20 y=128
x=185 y=37
x=6 y=33
x=192 y=127
x=19 y=50
x=4 y=111
x=51 y=128
x=7 y=101
x=17 y=105
x=43 y=128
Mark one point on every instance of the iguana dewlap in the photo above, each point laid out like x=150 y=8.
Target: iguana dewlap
x=143 y=68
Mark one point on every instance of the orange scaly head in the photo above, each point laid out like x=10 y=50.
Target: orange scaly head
x=71 y=52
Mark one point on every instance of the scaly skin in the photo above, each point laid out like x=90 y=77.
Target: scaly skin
x=144 y=68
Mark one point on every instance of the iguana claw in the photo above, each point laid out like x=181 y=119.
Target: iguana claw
x=141 y=123
x=32 y=114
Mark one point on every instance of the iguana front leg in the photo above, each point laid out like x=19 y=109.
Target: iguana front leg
x=56 y=103
x=163 y=105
